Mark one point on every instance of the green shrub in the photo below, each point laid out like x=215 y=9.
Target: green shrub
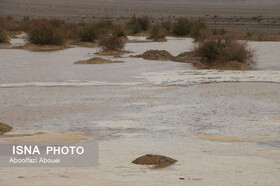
x=157 y=32
x=3 y=35
x=44 y=33
x=138 y=24
x=88 y=33
x=111 y=42
x=181 y=27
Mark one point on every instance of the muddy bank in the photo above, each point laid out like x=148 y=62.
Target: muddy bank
x=42 y=48
x=190 y=57
x=158 y=161
x=4 y=128
x=97 y=60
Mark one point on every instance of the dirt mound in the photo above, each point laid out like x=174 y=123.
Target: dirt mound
x=5 y=128
x=97 y=60
x=157 y=160
x=42 y=48
x=116 y=53
x=160 y=55
x=232 y=65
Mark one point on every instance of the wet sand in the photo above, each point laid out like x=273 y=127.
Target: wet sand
x=157 y=108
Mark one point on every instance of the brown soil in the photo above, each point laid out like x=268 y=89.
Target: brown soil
x=157 y=160
x=42 y=48
x=116 y=53
x=4 y=128
x=97 y=60
x=160 y=55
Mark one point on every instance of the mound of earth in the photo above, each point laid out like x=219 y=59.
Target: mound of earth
x=232 y=65
x=42 y=48
x=116 y=53
x=158 y=161
x=97 y=60
x=160 y=55
x=5 y=128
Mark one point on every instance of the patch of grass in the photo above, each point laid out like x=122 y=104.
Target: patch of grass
x=111 y=42
x=45 y=33
x=181 y=27
x=3 y=35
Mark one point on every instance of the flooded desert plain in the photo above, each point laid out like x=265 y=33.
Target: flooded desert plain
x=222 y=127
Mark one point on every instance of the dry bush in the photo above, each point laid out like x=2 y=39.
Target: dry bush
x=234 y=50
x=196 y=29
x=223 y=50
x=111 y=42
x=3 y=35
x=167 y=25
x=181 y=27
x=138 y=24
x=45 y=33
x=88 y=33
x=71 y=31
x=119 y=30
x=157 y=32
x=104 y=27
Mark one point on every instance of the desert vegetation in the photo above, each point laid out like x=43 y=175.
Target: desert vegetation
x=59 y=32
x=88 y=33
x=217 y=51
x=46 y=33
x=181 y=27
x=111 y=41
x=138 y=24
x=3 y=35
x=157 y=33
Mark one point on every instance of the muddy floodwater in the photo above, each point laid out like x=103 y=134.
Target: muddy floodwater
x=223 y=127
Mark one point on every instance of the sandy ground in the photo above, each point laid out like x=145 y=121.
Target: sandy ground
x=222 y=126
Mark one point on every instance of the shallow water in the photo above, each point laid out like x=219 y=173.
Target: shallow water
x=143 y=106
